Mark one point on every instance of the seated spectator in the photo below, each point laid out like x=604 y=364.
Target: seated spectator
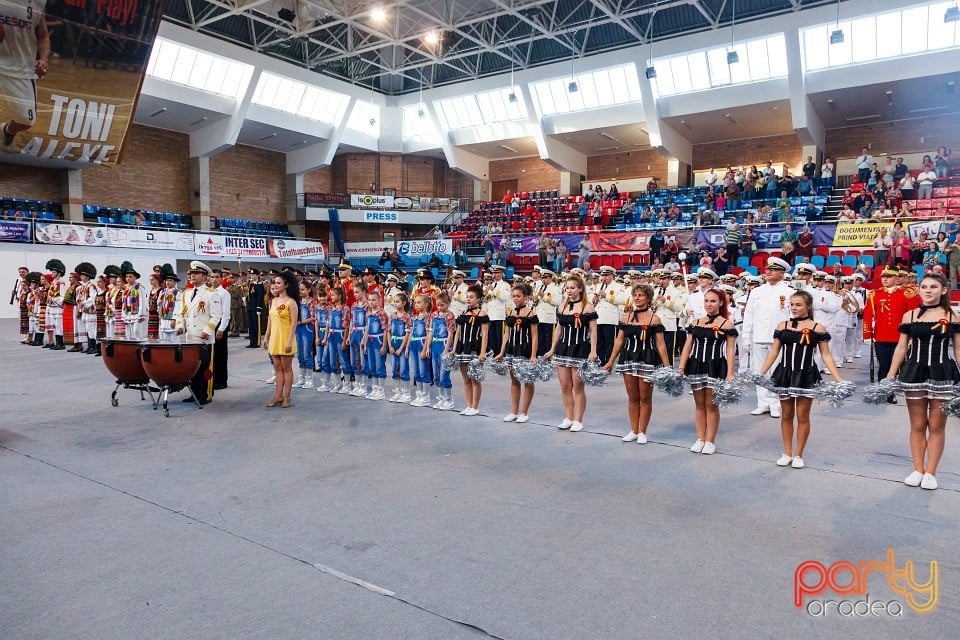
x=673 y=213
x=529 y=210
x=588 y=194
x=138 y=218
x=434 y=261
x=127 y=218
x=384 y=257
x=628 y=211
x=787 y=183
x=810 y=212
x=614 y=193
x=598 y=192
x=846 y=214
x=804 y=186
x=933 y=256
x=805 y=243
x=487 y=246
x=671 y=264
x=459 y=257
x=671 y=246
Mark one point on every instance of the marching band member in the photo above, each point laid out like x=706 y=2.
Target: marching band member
x=548 y=297
x=574 y=342
x=765 y=309
x=850 y=307
x=706 y=278
x=496 y=294
x=882 y=312
x=829 y=315
x=796 y=375
x=926 y=360
x=668 y=303
x=220 y=283
x=197 y=321
x=390 y=295
x=861 y=292
x=168 y=302
x=708 y=358
x=134 y=308
x=521 y=344
x=458 y=293
x=608 y=299
x=641 y=347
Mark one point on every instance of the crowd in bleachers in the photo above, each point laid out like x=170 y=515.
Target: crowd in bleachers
x=136 y=217
x=20 y=209
x=237 y=226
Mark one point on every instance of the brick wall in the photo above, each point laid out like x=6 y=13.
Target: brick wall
x=154 y=173
x=246 y=182
x=30 y=183
x=784 y=149
x=902 y=136
x=630 y=164
x=531 y=174
x=457 y=185
x=319 y=181
x=419 y=177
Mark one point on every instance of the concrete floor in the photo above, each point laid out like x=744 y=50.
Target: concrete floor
x=346 y=518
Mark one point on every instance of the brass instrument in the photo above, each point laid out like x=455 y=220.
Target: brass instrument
x=851 y=302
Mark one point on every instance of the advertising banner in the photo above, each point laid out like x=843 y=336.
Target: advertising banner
x=70 y=73
x=416 y=248
x=119 y=237
x=296 y=250
x=854 y=234
x=381 y=217
x=212 y=245
x=769 y=237
x=14 y=231
x=366 y=249
x=931 y=229
x=364 y=200
x=403 y=203
x=323 y=200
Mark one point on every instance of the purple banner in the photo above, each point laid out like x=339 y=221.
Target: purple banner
x=14 y=231
x=767 y=237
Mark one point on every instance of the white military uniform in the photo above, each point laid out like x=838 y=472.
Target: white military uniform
x=550 y=297
x=200 y=313
x=389 y=301
x=458 y=299
x=768 y=306
x=695 y=304
x=826 y=311
x=609 y=302
x=847 y=324
x=496 y=298
x=669 y=310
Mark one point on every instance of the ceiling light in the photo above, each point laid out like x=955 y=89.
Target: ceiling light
x=196 y=122
x=650 y=72
x=508 y=148
x=377 y=14
x=952 y=14
x=432 y=38
x=832 y=104
x=272 y=135
x=572 y=87
x=836 y=36
x=158 y=112
x=511 y=97
x=732 y=57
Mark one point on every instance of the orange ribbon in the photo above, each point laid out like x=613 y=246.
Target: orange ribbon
x=942 y=326
x=805 y=336
x=576 y=320
x=201 y=306
x=783 y=299
x=643 y=331
x=518 y=322
x=716 y=333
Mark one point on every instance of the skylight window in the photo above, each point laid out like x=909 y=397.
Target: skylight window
x=482 y=108
x=365 y=118
x=881 y=36
x=760 y=59
x=595 y=89
x=417 y=124
x=196 y=69
x=308 y=101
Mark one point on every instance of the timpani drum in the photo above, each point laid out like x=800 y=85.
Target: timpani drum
x=171 y=365
x=122 y=359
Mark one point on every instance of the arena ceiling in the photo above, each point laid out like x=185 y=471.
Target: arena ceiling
x=399 y=47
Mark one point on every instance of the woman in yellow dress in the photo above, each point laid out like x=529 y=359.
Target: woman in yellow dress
x=280 y=339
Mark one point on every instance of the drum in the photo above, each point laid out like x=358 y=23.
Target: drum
x=170 y=364
x=122 y=358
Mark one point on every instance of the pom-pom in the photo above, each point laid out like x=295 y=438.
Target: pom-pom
x=835 y=392
x=750 y=378
x=669 y=380
x=593 y=374
x=525 y=372
x=544 y=369
x=951 y=407
x=726 y=393
x=475 y=370
x=500 y=367
x=880 y=392
x=448 y=361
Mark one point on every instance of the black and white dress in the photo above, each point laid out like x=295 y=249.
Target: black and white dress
x=573 y=349
x=707 y=362
x=519 y=340
x=639 y=356
x=797 y=374
x=470 y=341
x=929 y=370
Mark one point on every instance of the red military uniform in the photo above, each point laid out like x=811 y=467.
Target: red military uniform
x=884 y=310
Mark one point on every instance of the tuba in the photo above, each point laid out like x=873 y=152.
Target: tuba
x=851 y=302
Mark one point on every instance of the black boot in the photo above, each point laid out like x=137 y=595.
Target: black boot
x=58 y=344
x=48 y=345
x=91 y=346
x=37 y=339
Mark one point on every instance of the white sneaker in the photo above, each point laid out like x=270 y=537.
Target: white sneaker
x=359 y=389
x=378 y=394
x=849 y=360
x=641 y=438
x=522 y=417
x=774 y=412
x=420 y=401
x=470 y=411
x=708 y=448
x=759 y=411
x=397 y=392
x=797 y=463
x=297 y=383
x=307 y=384
x=404 y=398
x=630 y=437
x=784 y=460
x=858 y=356
x=438 y=404
x=566 y=424
x=510 y=417
x=697 y=446
x=345 y=387
x=369 y=395
x=323 y=386
x=576 y=426
x=271 y=380
x=465 y=412
x=914 y=479
x=448 y=405
x=929 y=481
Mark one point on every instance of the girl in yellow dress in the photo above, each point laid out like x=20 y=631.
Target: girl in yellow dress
x=280 y=338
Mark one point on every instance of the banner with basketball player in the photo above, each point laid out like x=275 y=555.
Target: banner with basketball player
x=70 y=74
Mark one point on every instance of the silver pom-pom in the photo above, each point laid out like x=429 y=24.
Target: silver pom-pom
x=835 y=392
x=475 y=370
x=951 y=407
x=669 y=380
x=726 y=393
x=544 y=369
x=750 y=378
x=880 y=392
x=593 y=374
x=525 y=371
x=500 y=367
x=448 y=361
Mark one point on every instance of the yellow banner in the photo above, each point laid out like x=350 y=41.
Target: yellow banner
x=858 y=234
